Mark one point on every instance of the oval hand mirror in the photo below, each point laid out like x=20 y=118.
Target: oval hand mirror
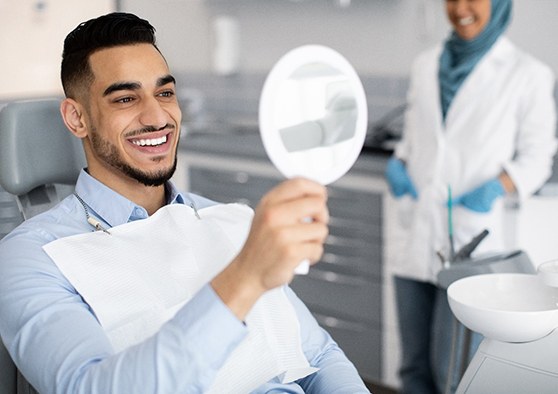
x=313 y=115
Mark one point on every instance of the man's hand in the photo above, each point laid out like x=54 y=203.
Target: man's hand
x=289 y=225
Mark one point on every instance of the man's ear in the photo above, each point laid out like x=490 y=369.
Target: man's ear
x=73 y=115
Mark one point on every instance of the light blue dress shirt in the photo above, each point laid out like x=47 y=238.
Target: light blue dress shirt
x=59 y=346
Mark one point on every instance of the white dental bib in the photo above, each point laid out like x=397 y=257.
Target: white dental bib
x=138 y=276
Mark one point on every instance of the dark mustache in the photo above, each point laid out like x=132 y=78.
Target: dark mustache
x=149 y=129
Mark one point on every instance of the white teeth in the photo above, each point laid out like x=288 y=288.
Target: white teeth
x=151 y=142
x=466 y=21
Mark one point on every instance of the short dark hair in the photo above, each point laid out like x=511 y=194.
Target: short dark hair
x=111 y=30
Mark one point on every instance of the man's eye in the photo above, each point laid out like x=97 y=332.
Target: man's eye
x=167 y=93
x=124 y=100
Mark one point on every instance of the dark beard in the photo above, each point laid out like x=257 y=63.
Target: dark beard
x=110 y=155
x=149 y=179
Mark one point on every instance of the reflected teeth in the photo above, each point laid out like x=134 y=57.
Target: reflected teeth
x=466 y=21
x=151 y=142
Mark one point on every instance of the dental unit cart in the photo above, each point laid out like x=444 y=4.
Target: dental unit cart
x=506 y=367
x=517 y=313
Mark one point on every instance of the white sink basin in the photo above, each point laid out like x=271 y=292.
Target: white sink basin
x=548 y=272
x=506 y=307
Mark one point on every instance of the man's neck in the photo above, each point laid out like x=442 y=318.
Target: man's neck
x=151 y=198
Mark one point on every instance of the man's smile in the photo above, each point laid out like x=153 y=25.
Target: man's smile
x=150 y=142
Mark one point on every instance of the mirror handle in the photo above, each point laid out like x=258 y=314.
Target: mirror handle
x=303 y=267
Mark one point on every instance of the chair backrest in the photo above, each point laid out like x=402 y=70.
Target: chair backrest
x=39 y=163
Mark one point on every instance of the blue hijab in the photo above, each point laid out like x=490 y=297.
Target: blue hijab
x=460 y=56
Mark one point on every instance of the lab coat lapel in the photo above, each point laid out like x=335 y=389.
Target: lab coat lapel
x=473 y=90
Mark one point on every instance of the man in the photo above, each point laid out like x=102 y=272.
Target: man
x=121 y=101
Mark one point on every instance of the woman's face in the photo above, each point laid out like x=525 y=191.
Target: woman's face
x=468 y=17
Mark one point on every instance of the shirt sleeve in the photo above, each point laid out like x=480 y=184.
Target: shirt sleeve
x=58 y=345
x=337 y=375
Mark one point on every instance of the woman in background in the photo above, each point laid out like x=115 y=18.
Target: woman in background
x=481 y=120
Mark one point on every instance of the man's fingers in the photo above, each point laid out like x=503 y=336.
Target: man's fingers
x=294 y=201
x=303 y=233
x=301 y=241
x=302 y=210
x=293 y=189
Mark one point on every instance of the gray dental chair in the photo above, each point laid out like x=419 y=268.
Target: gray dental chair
x=39 y=163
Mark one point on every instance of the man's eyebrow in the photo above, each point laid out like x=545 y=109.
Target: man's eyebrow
x=121 y=86
x=136 y=85
x=165 y=80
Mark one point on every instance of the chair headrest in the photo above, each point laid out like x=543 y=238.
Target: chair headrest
x=36 y=148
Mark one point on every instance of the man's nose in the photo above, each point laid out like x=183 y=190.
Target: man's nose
x=153 y=114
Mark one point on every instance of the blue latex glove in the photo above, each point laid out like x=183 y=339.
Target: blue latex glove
x=398 y=179
x=482 y=198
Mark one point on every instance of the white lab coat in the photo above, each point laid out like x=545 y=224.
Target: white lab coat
x=502 y=118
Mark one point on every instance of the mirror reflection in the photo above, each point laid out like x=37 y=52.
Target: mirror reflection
x=322 y=111
x=313 y=114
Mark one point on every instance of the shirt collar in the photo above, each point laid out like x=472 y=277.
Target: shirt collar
x=113 y=208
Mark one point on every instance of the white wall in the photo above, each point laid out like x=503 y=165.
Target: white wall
x=182 y=28
x=31 y=41
x=378 y=36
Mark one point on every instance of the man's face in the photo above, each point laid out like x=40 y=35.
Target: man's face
x=468 y=17
x=133 y=116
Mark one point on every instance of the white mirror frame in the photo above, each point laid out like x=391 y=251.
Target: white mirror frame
x=274 y=146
